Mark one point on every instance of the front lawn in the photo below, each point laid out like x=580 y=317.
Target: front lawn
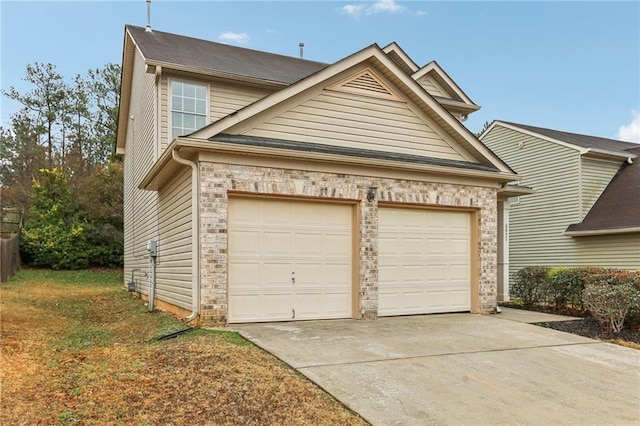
x=78 y=349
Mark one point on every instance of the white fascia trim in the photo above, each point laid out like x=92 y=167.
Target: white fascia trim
x=581 y=150
x=602 y=232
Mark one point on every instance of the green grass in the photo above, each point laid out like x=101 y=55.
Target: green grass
x=93 y=277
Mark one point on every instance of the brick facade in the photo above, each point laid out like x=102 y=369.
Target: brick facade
x=216 y=180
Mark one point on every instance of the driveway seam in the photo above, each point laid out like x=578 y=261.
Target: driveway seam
x=447 y=354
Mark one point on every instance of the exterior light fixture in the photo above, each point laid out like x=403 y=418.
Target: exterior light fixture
x=371 y=194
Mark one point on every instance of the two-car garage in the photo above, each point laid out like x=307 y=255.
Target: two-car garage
x=293 y=260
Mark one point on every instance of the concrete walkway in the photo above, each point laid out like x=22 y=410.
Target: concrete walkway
x=461 y=369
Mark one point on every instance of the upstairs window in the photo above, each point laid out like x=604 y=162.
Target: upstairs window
x=188 y=107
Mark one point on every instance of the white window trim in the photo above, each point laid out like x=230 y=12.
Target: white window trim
x=170 y=80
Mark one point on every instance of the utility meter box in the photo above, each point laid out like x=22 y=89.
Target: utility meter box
x=152 y=248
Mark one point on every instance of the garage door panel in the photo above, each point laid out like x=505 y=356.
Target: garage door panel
x=276 y=243
x=337 y=273
x=309 y=241
x=459 y=246
x=337 y=245
x=424 y=261
x=245 y=243
x=307 y=244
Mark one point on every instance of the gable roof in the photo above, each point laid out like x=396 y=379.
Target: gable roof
x=376 y=58
x=435 y=70
x=399 y=56
x=160 y=48
x=584 y=143
x=618 y=208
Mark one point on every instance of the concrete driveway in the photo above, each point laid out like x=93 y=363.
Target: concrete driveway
x=460 y=369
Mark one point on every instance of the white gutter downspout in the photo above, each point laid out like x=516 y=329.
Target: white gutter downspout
x=195 y=232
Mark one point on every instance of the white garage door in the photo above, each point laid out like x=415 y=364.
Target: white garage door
x=289 y=260
x=424 y=261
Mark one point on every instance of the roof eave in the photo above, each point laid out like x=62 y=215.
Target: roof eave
x=443 y=77
x=216 y=74
x=515 y=191
x=607 y=155
x=152 y=182
x=596 y=232
x=126 y=79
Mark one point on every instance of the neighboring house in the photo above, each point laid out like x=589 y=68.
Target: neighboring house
x=585 y=210
x=273 y=188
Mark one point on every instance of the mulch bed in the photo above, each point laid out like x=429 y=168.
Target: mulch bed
x=589 y=327
x=585 y=326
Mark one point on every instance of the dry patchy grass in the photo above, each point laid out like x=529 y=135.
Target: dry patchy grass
x=78 y=349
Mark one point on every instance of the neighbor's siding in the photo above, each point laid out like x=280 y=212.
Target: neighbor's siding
x=538 y=222
x=224 y=99
x=596 y=175
x=140 y=207
x=357 y=121
x=174 y=268
x=432 y=87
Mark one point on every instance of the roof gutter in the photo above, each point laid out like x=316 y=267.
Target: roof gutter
x=608 y=155
x=195 y=232
x=596 y=232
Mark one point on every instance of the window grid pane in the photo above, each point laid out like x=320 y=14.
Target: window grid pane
x=188 y=107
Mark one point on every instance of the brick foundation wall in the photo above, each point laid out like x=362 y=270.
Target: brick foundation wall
x=216 y=180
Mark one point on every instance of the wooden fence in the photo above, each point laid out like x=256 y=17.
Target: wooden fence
x=9 y=257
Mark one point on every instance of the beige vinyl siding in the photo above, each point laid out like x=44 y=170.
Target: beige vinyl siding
x=596 y=175
x=174 y=267
x=538 y=222
x=432 y=87
x=613 y=251
x=140 y=207
x=356 y=121
x=224 y=99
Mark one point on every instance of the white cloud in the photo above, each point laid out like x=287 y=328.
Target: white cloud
x=420 y=13
x=231 y=37
x=353 y=10
x=381 y=6
x=631 y=132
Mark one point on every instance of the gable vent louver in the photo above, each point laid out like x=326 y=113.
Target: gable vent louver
x=366 y=83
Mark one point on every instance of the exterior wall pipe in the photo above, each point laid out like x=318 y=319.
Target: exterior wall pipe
x=195 y=232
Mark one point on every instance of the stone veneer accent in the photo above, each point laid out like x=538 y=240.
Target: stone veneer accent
x=216 y=180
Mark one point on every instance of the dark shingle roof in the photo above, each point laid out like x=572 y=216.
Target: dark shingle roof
x=346 y=151
x=210 y=56
x=584 y=141
x=619 y=205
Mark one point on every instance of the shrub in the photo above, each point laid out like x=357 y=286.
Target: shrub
x=617 y=277
x=67 y=231
x=610 y=303
x=565 y=286
x=530 y=284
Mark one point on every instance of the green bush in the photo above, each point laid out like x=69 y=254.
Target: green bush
x=530 y=285
x=70 y=231
x=610 y=303
x=565 y=285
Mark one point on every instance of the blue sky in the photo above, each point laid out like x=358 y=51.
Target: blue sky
x=572 y=66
